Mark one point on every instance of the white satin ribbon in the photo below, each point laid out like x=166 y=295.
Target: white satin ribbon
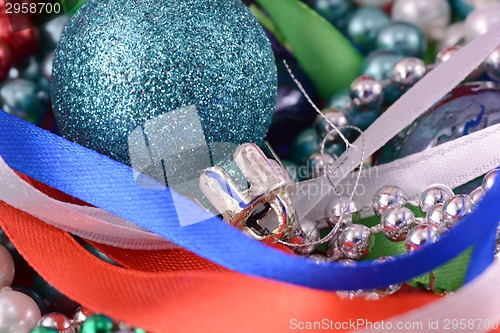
x=410 y=106
x=476 y=305
x=87 y=222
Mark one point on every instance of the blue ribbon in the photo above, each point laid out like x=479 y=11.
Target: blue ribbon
x=110 y=185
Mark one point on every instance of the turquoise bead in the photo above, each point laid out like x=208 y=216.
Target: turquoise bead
x=97 y=324
x=402 y=37
x=332 y=10
x=364 y=26
x=43 y=330
x=304 y=145
x=364 y=119
x=340 y=100
x=379 y=64
x=19 y=97
x=461 y=8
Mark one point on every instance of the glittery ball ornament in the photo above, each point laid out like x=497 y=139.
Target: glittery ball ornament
x=122 y=63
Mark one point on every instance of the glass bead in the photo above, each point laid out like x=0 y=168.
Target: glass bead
x=420 y=236
x=456 y=208
x=387 y=197
x=477 y=195
x=468 y=108
x=19 y=97
x=304 y=145
x=355 y=241
x=402 y=37
x=431 y=16
x=434 y=215
x=489 y=180
x=367 y=93
x=379 y=64
x=43 y=330
x=332 y=9
x=434 y=194
x=340 y=100
x=97 y=324
x=408 y=71
x=364 y=25
x=396 y=222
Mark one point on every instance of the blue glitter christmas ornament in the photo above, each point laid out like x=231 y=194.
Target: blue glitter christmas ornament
x=121 y=63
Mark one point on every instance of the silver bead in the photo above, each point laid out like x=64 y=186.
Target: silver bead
x=492 y=65
x=333 y=251
x=355 y=241
x=489 y=179
x=342 y=205
x=319 y=259
x=477 y=195
x=391 y=289
x=58 y=321
x=437 y=193
x=307 y=232
x=408 y=71
x=316 y=164
x=387 y=197
x=457 y=207
x=335 y=117
x=434 y=215
x=396 y=223
x=421 y=236
x=367 y=93
x=81 y=314
x=445 y=54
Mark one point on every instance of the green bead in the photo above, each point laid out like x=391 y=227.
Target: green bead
x=97 y=324
x=304 y=145
x=43 y=330
x=139 y=330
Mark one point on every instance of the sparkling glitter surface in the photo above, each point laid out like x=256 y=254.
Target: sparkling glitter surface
x=121 y=63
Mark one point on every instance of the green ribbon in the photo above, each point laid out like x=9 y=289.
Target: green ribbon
x=324 y=54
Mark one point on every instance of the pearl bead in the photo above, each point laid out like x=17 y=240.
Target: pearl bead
x=477 y=195
x=489 y=179
x=387 y=197
x=492 y=65
x=7 y=268
x=481 y=20
x=420 y=236
x=18 y=312
x=364 y=25
x=57 y=321
x=367 y=93
x=454 y=35
x=435 y=194
x=379 y=64
x=331 y=9
x=408 y=71
x=431 y=16
x=456 y=208
x=396 y=223
x=323 y=128
x=481 y=3
x=434 y=215
x=402 y=37
x=355 y=241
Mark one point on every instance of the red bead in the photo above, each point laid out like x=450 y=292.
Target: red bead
x=22 y=43
x=5 y=59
